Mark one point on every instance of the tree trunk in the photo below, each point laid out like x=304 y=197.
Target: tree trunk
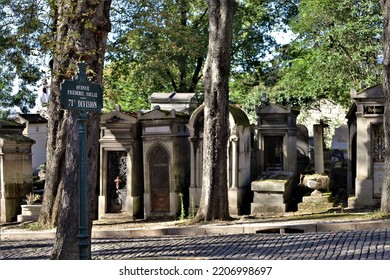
x=214 y=200
x=55 y=147
x=80 y=35
x=385 y=200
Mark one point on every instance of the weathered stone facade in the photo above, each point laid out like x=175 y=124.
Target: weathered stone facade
x=239 y=159
x=282 y=153
x=166 y=168
x=15 y=169
x=161 y=154
x=120 y=156
x=366 y=147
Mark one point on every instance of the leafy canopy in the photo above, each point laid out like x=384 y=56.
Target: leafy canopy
x=337 y=48
x=162 y=45
x=21 y=29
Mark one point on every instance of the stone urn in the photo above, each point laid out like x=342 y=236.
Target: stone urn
x=317 y=182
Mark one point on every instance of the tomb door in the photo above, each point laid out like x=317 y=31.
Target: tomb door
x=353 y=162
x=378 y=157
x=273 y=153
x=159 y=179
x=116 y=181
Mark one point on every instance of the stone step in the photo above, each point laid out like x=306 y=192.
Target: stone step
x=315 y=207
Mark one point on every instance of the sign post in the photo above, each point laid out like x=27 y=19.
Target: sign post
x=82 y=95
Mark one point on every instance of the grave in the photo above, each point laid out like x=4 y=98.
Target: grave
x=151 y=161
x=270 y=191
x=366 y=147
x=239 y=159
x=120 y=158
x=280 y=147
x=166 y=159
x=29 y=213
x=320 y=200
x=15 y=169
x=145 y=159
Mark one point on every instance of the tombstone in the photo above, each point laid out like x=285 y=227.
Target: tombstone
x=318 y=135
x=366 y=147
x=303 y=156
x=121 y=177
x=277 y=138
x=270 y=193
x=15 y=169
x=239 y=160
x=278 y=151
x=166 y=160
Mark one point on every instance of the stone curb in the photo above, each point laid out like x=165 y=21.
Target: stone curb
x=276 y=227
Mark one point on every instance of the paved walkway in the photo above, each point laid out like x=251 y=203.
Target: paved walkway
x=337 y=241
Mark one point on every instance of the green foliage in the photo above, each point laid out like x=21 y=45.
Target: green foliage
x=192 y=209
x=156 y=46
x=20 y=29
x=337 y=48
x=161 y=46
x=182 y=210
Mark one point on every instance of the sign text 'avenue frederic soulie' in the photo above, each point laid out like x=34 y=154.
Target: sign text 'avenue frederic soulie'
x=81 y=96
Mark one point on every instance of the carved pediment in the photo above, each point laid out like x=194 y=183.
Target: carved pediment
x=118 y=117
x=156 y=113
x=371 y=92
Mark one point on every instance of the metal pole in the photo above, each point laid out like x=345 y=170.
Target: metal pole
x=83 y=236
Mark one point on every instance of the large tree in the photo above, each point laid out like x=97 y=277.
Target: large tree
x=155 y=46
x=214 y=200
x=335 y=48
x=385 y=200
x=80 y=29
x=21 y=27
x=162 y=46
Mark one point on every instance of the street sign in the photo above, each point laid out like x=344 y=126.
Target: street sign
x=80 y=94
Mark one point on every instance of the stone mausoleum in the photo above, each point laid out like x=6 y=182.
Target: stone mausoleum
x=151 y=160
x=239 y=159
x=282 y=154
x=15 y=169
x=366 y=147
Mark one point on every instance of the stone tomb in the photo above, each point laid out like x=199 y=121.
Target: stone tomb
x=280 y=158
x=366 y=148
x=15 y=169
x=269 y=192
x=166 y=159
x=121 y=167
x=239 y=160
x=29 y=213
x=145 y=159
x=277 y=138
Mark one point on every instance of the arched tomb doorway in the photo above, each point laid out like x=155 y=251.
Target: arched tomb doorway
x=159 y=179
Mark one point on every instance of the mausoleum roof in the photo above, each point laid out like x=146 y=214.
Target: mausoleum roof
x=32 y=118
x=277 y=109
x=173 y=97
x=12 y=132
x=239 y=116
x=371 y=92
